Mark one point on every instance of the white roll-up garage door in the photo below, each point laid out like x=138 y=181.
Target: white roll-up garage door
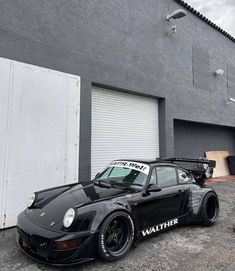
x=123 y=126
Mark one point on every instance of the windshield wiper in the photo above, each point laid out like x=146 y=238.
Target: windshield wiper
x=101 y=183
x=121 y=185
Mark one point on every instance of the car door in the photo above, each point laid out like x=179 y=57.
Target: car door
x=161 y=206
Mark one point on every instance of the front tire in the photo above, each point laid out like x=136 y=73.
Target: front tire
x=210 y=209
x=116 y=236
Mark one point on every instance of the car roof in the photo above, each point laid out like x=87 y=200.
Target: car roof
x=150 y=162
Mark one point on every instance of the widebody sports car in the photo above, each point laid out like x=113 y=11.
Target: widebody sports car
x=128 y=201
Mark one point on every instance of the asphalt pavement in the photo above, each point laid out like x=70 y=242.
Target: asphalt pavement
x=193 y=248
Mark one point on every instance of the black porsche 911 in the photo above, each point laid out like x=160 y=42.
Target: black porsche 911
x=128 y=201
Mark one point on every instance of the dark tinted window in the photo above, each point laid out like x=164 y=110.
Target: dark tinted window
x=166 y=176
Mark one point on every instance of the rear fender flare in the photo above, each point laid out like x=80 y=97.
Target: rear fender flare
x=196 y=197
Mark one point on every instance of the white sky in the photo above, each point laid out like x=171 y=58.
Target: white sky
x=221 y=12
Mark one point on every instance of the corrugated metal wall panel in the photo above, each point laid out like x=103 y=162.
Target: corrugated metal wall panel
x=123 y=126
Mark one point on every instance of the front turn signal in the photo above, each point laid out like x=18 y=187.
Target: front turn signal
x=64 y=245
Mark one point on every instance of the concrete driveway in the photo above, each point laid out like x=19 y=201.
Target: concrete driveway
x=191 y=248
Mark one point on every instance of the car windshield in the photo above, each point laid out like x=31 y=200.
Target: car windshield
x=124 y=173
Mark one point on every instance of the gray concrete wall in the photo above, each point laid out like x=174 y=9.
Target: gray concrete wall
x=122 y=44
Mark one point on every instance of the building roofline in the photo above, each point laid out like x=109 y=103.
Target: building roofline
x=202 y=17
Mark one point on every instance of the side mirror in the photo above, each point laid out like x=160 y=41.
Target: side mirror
x=154 y=188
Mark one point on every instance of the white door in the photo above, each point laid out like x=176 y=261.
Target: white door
x=123 y=126
x=39 y=133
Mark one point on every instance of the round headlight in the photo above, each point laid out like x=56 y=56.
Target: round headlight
x=69 y=218
x=31 y=200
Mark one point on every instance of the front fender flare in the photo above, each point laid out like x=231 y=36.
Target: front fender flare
x=105 y=210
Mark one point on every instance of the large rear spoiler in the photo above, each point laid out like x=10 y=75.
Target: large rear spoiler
x=210 y=163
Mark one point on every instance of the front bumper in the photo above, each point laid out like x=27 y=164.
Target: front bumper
x=41 y=244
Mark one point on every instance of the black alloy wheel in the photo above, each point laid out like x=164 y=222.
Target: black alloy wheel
x=116 y=236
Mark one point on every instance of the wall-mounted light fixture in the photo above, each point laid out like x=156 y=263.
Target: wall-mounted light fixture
x=177 y=14
x=219 y=72
x=230 y=100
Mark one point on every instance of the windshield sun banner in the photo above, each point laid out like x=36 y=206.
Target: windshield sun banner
x=132 y=165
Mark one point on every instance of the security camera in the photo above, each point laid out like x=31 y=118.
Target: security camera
x=172 y=30
x=219 y=72
x=177 y=14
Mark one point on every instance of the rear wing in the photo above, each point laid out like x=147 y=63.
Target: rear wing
x=202 y=169
x=210 y=163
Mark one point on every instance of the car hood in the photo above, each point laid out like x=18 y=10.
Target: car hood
x=50 y=211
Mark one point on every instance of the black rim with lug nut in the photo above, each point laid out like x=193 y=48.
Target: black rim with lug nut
x=116 y=236
x=117 y=233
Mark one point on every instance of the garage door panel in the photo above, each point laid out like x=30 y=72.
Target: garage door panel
x=193 y=139
x=123 y=126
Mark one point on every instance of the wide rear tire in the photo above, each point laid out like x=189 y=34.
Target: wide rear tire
x=210 y=209
x=116 y=236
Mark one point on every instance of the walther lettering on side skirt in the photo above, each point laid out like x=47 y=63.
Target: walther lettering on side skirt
x=160 y=227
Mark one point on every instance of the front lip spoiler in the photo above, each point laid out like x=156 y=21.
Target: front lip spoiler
x=48 y=255
x=35 y=257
